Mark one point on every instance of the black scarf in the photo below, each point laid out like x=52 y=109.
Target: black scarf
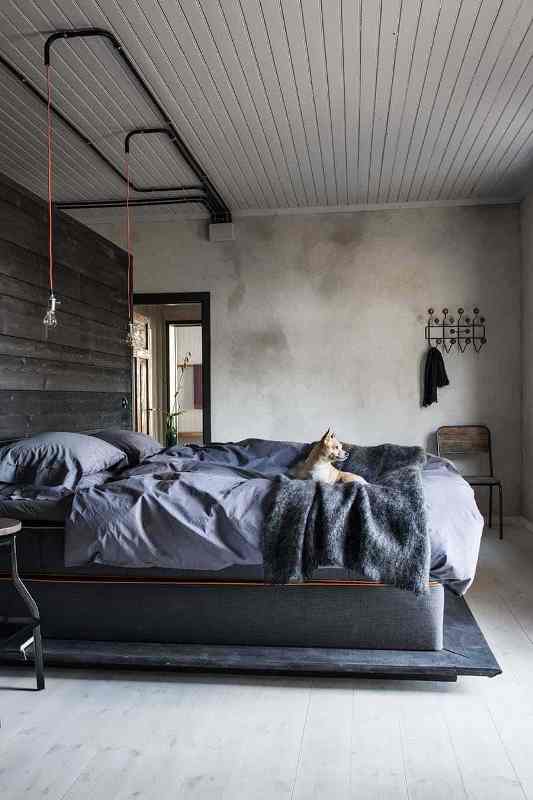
x=434 y=375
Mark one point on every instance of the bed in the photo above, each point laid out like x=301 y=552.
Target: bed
x=207 y=602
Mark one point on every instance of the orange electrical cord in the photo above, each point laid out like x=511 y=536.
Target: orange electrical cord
x=128 y=242
x=50 y=188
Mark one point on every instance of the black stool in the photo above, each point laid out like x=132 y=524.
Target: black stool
x=29 y=626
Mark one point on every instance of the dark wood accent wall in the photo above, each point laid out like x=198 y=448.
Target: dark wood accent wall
x=79 y=376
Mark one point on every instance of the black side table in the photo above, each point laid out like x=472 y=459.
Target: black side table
x=29 y=626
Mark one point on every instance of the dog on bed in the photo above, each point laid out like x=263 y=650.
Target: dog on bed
x=318 y=466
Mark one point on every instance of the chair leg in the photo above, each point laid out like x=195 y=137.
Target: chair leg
x=38 y=657
x=490 y=506
x=31 y=605
x=500 y=488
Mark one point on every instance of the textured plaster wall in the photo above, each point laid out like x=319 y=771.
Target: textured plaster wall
x=527 y=357
x=319 y=320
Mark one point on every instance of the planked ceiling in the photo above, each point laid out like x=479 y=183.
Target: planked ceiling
x=285 y=103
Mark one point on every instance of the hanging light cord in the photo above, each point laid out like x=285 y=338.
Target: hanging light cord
x=50 y=318
x=50 y=188
x=128 y=242
x=130 y=338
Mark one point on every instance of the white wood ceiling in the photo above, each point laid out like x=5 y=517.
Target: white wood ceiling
x=286 y=103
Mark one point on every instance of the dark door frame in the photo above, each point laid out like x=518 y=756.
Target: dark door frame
x=204 y=299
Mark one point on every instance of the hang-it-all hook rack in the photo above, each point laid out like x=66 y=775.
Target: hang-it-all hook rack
x=461 y=331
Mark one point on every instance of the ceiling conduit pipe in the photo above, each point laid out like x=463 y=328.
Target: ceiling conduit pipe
x=213 y=200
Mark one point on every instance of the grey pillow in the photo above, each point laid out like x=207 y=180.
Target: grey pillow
x=137 y=446
x=57 y=459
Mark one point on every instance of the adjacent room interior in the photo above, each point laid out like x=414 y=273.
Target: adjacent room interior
x=168 y=369
x=266 y=516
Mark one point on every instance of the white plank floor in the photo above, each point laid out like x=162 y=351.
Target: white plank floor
x=119 y=735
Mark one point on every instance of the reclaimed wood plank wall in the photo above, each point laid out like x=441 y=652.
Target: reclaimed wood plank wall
x=79 y=376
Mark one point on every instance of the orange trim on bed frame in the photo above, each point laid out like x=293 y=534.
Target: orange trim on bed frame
x=356 y=584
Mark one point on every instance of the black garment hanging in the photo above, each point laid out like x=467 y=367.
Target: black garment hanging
x=434 y=375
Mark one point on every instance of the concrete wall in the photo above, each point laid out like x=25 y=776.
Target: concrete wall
x=319 y=320
x=527 y=357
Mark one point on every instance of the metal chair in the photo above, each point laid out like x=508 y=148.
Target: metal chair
x=464 y=440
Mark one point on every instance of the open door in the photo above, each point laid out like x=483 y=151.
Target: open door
x=142 y=373
x=172 y=368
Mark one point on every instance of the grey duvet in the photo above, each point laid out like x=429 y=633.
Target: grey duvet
x=204 y=508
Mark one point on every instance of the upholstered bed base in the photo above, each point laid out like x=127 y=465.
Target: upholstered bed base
x=225 y=608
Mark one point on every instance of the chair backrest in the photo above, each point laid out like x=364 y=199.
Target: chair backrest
x=464 y=440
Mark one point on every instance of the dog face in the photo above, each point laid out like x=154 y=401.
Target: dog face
x=331 y=448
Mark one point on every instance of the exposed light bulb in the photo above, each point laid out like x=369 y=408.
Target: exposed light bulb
x=50 y=318
x=130 y=336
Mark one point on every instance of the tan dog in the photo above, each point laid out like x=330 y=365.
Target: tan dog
x=318 y=465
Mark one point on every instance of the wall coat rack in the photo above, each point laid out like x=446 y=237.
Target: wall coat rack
x=462 y=331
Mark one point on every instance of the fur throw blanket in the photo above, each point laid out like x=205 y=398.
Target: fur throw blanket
x=378 y=530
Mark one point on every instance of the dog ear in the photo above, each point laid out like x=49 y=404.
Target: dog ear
x=325 y=436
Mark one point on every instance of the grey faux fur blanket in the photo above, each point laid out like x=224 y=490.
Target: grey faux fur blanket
x=378 y=530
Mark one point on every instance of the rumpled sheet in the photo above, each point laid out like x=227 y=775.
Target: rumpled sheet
x=44 y=503
x=203 y=508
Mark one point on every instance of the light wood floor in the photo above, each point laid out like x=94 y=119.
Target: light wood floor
x=114 y=735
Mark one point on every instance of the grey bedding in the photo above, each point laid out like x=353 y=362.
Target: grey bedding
x=31 y=503
x=57 y=458
x=194 y=508
x=204 y=508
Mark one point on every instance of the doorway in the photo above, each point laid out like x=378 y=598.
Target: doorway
x=172 y=374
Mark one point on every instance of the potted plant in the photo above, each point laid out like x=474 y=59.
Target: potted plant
x=171 y=418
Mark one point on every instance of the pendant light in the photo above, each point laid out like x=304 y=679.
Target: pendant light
x=131 y=337
x=50 y=318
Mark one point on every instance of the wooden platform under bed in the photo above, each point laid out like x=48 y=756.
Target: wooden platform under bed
x=465 y=652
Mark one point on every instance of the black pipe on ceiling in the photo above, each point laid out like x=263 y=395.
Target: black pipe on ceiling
x=218 y=208
x=141 y=201
x=143 y=131
x=70 y=125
